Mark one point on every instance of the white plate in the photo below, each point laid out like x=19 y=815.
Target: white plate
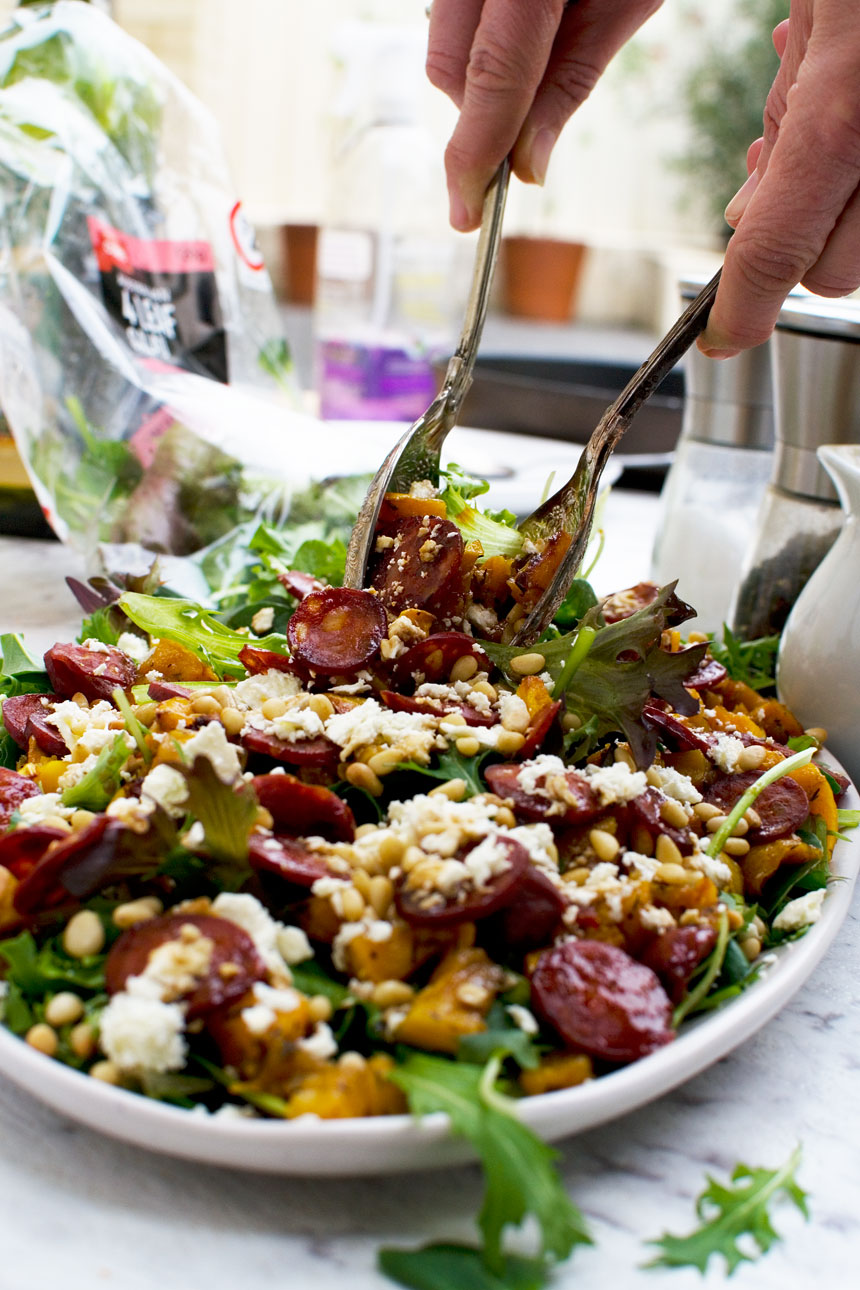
x=392 y=1143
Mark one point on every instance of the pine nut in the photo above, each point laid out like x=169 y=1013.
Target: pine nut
x=364 y=830
x=352 y=904
x=223 y=696
x=473 y=995
x=674 y=813
x=818 y=733
x=232 y=720
x=82 y=1039
x=63 y=1009
x=506 y=818
x=319 y=1007
x=696 y=638
x=667 y=852
x=206 y=704
x=108 y=1072
x=509 y=742
x=392 y=994
x=652 y=775
x=43 y=1038
x=484 y=687
x=383 y=763
x=468 y=746
x=735 y=918
x=671 y=872
x=751 y=946
x=57 y=822
x=464 y=669
x=706 y=810
x=391 y=849
x=453 y=789
x=580 y=875
x=133 y=911
x=361 y=882
x=715 y=823
x=751 y=757
x=273 y=708
x=623 y=754
x=527 y=664
x=83 y=934
x=352 y=1061
x=752 y=817
x=322 y=705
x=736 y=846
x=81 y=819
x=381 y=894
x=146 y=713
x=741 y=827
x=264 y=818
x=361 y=776
x=758 y=927
x=604 y=844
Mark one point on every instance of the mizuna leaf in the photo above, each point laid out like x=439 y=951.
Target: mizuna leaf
x=730 y=1213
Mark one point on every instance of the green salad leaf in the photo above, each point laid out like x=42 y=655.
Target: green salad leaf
x=520 y=1177
x=495 y=530
x=731 y=1213
x=752 y=662
x=100 y=785
x=226 y=814
x=196 y=628
x=19 y=674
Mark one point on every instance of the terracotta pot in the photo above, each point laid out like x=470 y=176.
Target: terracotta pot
x=541 y=276
x=300 y=250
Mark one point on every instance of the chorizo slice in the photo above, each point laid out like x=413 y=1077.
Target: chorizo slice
x=646 y=809
x=436 y=708
x=530 y=921
x=301 y=752
x=25 y=716
x=22 y=849
x=337 y=631
x=14 y=789
x=73 y=669
x=422 y=567
x=708 y=674
x=289 y=858
x=255 y=660
x=433 y=658
x=87 y=855
x=601 y=1001
x=304 y=810
x=465 y=902
x=299 y=584
x=674 y=731
x=162 y=690
x=580 y=805
x=232 y=967
x=675 y=953
x=782 y=806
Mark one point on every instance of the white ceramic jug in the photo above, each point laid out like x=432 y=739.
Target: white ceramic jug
x=818 y=671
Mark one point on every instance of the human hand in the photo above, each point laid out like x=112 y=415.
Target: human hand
x=517 y=70
x=798 y=214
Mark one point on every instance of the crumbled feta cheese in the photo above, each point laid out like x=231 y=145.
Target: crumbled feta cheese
x=655 y=918
x=92 y=727
x=166 y=787
x=252 y=693
x=644 y=866
x=96 y=646
x=616 y=783
x=133 y=812
x=375 y=929
x=676 y=785
x=800 y=912
x=725 y=751
x=370 y=723
x=263 y=620
x=513 y=711
x=296 y=723
x=293 y=945
x=174 y=968
x=712 y=867
x=143 y=1034
x=533 y=774
x=248 y=913
x=262 y=1014
x=211 y=742
x=424 y=814
x=134 y=646
x=33 y=810
x=321 y=1043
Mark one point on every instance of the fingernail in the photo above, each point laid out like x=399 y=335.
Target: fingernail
x=540 y=152
x=740 y=201
x=716 y=351
x=458 y=211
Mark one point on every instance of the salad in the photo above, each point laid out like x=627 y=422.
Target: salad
x=310 y=863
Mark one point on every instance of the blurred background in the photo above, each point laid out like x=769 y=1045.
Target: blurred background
x=639 y=179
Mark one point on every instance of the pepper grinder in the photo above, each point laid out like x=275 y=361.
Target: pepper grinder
x=715 y=484
x=816 y=376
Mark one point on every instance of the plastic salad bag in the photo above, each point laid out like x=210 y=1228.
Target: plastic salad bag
x=143 y=373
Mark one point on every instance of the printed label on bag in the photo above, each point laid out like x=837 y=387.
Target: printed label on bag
x=164 y=296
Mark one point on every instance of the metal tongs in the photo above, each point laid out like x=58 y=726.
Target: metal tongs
x=416 y=455
x=571 y=509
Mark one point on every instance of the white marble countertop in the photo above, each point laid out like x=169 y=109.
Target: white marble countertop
x=83 y=1211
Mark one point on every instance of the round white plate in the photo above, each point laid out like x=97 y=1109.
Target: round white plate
x=391 y=1143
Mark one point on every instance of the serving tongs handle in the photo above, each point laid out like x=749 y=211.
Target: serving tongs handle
x=416 y=454
x=571 y=508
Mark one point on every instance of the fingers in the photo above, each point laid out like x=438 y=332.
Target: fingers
x=453 y=24
x=508 y=57
x=590 y=34
x=801 y=222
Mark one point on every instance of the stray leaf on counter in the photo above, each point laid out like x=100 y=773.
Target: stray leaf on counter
x=459 y=1267
x=730 y=1213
